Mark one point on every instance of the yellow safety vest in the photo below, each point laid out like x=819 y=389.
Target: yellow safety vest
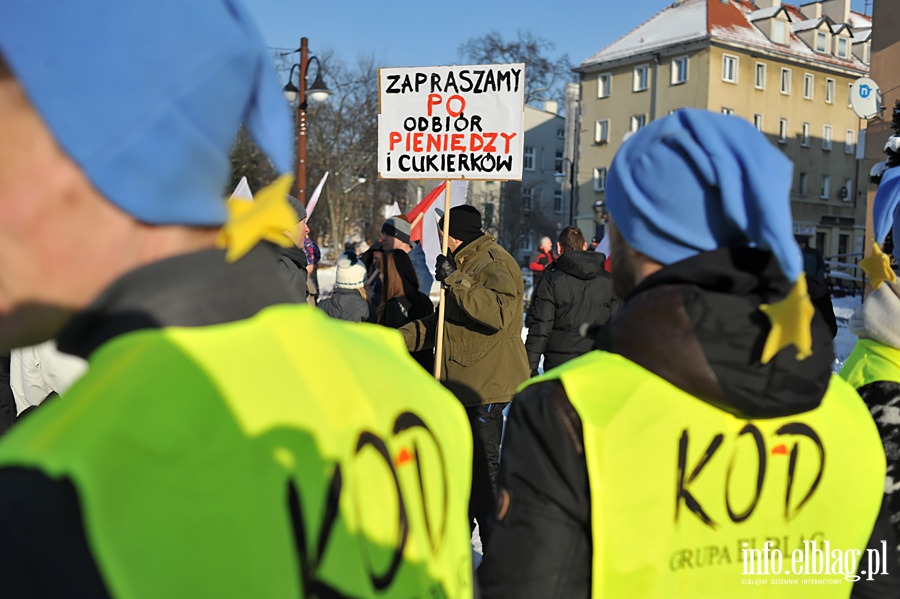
x=280 y=456
x=679 y=488
x=871 y=361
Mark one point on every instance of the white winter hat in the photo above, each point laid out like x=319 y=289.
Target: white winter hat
x=351 y=272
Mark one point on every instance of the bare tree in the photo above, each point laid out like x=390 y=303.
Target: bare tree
x=545 y=76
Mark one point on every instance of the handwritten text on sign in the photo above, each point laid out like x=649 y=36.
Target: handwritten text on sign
x=460 y=122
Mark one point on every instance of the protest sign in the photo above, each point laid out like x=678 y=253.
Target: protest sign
x=451 y=122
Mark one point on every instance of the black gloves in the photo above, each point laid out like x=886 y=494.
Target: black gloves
x=443 y=267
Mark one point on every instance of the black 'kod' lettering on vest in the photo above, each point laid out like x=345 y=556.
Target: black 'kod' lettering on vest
x=309 y=564
x=684 y=494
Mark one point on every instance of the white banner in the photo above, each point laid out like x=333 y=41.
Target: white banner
x=459 y=122
x=431 y=243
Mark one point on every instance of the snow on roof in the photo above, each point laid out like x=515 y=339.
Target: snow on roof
x=860 y=21
x=675 y=24
x=807 y=25
x=861 y=35
x=838 y=27
x=727 y=21
x=764 y=13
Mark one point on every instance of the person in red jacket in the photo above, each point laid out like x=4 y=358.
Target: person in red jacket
x=541 y=261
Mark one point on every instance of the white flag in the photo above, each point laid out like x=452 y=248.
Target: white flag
x=242 y=191
x=315 y=197
x=431 y=243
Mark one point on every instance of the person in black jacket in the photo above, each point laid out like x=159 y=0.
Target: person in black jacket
x=604 y=500
x=401 y=300
x=576 y=295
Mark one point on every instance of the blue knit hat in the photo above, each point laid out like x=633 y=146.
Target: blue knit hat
x=885 y=218
x=146 y=96
x=696 y=181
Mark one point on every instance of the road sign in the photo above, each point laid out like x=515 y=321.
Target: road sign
x=865 y=98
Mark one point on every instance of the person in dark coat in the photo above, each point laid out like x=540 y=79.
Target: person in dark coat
x=576 y=295
x=401 y=300
x=292 y=259
x=396 y=234
x=619 y=461
x=816 y=280
x=348 y=300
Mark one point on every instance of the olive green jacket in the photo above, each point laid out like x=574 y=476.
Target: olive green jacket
x=484 y=358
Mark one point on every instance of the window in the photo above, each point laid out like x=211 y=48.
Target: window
x=867 y=52
x=850 y=142
x=728 y=111
x=560 y=134
x=528 y=158
x=829 y=90
x=826 y=137
x=847 y=191
x=536 y=198
x=843 y=243
x=729 y=68
x=679 y=70
x=826 y=187
x=803 y=188
x=841 y=47
x=821 y=42
x=526 y=199
x=760 y=81
x=557 y=202
x=641 y=76
x=601 y=131
x=809 y=82
x=785 y=81
x=604 y=85
x=758 y=122
x=558 y=162
x=804 y=135
x=779 y=32
x=638 y=121
x=782 y=131
x=599 y=179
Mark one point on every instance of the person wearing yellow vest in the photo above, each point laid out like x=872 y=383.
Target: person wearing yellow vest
x=706 y=450
x=873 y=368
x=201 y=455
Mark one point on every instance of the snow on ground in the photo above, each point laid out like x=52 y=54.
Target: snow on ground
x=844 y=340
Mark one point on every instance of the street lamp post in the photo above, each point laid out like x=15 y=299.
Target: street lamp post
x=317 y=92
x=568 y=176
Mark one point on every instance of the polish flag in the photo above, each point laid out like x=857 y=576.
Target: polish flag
x=423 y=207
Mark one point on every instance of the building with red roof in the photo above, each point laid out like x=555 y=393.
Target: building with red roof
x=786 y=69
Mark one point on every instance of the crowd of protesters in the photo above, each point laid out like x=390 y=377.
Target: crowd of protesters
x=672 y=412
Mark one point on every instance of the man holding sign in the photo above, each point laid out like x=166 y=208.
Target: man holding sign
x=484 y=359
x=460 y=123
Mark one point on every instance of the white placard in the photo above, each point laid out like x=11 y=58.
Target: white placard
x=459 y=122
x=865 y=98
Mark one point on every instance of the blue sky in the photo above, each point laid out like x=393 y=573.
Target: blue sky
x=400 y=33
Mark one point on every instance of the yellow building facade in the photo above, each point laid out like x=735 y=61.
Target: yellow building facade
x=786 y=69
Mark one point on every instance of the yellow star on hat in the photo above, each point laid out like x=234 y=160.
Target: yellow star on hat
x=877 y=267
x=791 y=320
x=266 y=218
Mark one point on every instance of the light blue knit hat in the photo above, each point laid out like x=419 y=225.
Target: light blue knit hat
x=146 y=96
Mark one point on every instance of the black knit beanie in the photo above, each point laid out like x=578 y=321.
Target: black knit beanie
x=465 y=224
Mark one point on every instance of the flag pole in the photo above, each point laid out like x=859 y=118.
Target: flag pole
x=445 y=238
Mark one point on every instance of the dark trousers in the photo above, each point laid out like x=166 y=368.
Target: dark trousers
x=487 y=427
x=7 y=401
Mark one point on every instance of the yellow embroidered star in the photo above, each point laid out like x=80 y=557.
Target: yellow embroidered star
x=266 y=218
x=791 y=320
x=877 y=267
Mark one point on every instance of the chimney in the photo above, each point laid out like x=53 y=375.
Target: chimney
x=837 y=10
x=760 y=4
x=551 y=106
x=812 y=10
